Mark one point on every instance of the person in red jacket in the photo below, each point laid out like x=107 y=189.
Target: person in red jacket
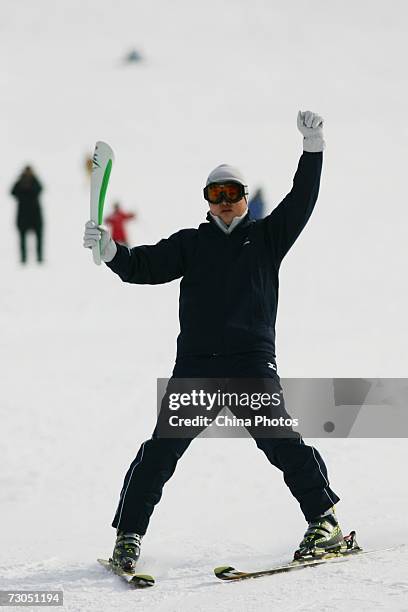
x=117 y=224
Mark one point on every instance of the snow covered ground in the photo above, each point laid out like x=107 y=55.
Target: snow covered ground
x=80 y=352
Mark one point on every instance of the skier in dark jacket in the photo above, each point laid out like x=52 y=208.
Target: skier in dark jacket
x=228 y=302
x=29 y=216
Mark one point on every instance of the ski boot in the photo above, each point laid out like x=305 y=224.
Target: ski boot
x=322 y=536
x=127 y=551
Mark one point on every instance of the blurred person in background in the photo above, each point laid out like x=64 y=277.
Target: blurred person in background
x=26 y=190
x=256 y=205
x=117 y=221
x=88 y=165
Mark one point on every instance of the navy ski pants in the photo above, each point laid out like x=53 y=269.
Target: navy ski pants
x=303 y=468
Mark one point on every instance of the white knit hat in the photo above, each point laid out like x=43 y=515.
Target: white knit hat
x=224 y=173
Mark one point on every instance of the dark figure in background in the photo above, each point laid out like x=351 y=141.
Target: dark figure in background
x=29 y=216
x=256 y=205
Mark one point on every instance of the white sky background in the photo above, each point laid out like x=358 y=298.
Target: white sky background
x=222 y=81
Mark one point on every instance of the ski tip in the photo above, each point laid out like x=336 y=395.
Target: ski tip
x=223 y=570
x=143 y=580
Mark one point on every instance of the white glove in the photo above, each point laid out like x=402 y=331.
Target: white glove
x=93 y=233
x=311 y=126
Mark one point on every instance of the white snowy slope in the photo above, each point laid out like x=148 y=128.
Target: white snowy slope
x=80 y=351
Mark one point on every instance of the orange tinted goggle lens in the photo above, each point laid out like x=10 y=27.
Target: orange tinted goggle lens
x=215 y=193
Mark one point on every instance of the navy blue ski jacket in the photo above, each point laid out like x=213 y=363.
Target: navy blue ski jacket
x=229 y=282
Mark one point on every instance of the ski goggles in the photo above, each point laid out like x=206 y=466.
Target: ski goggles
x=229 y=191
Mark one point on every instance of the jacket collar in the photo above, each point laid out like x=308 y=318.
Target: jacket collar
x=228 y=229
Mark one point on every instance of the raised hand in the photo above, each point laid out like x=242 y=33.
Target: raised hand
x=311 y=126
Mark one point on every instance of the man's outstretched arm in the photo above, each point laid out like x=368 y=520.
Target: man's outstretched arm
x=288 y=219
x=144 y=265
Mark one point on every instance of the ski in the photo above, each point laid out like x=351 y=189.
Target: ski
x=137 y=581
x=350 y=548
x=102 y=162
